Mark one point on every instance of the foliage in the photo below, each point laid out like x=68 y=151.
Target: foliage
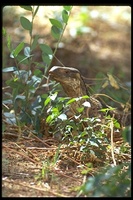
x=20 y=105
x=110 y=182
x=113 y=88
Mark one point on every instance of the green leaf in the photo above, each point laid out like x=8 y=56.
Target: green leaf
x=34 y=81
x=14 y=84
x=27 y=8
x=63 y=99
x=117 y=125
x=56 y=23
x=49 y=118
x=46 y=49
x=56 y=32
x=22 y=97
x=10 y=117
x=106 y=109
x=65 y=16
x=22 y=59
x=71 y=101
x=27 y=51
x=80 y=109
x=62 y=117
x=16 y=51
x=85 y=97
x=46 y=58
x=53 y=96
x=4 y=32
x=8 y=101
x=38 y=72
x=68 y=8
x=22 y=74
x=55 y=111
x=47 y=53
x=44 y=96
x=9 y=42
x=126 y=133
x=34 y=43
x=47 y=101
x=36 y=11
x=3 y=127
x=9 y=69
x=25 y=23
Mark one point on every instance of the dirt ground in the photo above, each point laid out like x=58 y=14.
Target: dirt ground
x=33 y=167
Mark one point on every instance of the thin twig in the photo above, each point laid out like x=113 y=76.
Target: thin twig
x=37 y=188
x=112 y=144
x=21 y=154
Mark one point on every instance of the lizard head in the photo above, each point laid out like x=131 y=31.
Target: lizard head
x=64 y=74
x=73 y=85
x=70 y=79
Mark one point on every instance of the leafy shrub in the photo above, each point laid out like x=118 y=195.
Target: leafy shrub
x=110 y=182
x=22 y=105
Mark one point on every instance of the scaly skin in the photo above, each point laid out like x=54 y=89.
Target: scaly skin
x=74 y=86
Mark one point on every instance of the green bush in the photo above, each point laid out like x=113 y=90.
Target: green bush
x=22 y=105
x=110 y=182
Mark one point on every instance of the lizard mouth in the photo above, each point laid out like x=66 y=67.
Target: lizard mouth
x=53 y=76
x=50 y=74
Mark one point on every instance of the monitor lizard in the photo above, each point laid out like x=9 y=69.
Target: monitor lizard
x=74 y=86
